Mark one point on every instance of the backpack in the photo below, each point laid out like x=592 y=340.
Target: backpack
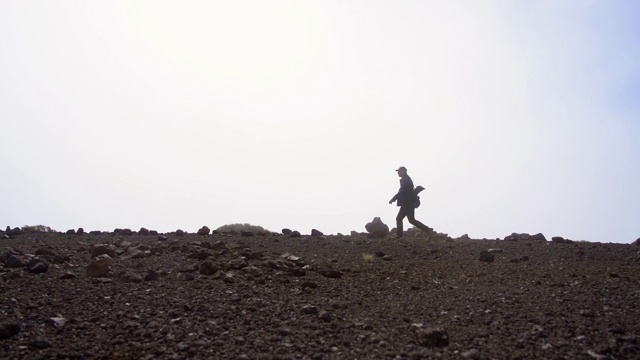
x=417 y=191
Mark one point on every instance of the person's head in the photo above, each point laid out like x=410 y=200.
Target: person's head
x=402 y=171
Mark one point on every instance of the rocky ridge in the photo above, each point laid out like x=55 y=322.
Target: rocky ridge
x=130 y=294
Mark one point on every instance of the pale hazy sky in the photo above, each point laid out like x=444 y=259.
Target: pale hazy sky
x=517 y=116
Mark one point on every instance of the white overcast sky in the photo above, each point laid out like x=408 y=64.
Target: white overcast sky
x=517 y=116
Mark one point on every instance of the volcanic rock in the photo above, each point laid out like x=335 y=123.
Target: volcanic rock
x=127 y=232
x=13 y=232
x=152 y=275
x=316 y=233
x=431 y=337
x=333 y=274
x=295 y=234
x=204 y=231
x=377 y=228
x=131 y=276
x=103 y=249
x=37 y=266
x=14 y=261
x=143 y=231
x=40 y=343
x=286 y=231
x=208 y=267
x=99 y=266
x=271 y=307
x=486 y=256
x=9 y=329
x=538 y=237
x=68 y=275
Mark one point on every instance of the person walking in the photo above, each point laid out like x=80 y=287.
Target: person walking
x=406 y=200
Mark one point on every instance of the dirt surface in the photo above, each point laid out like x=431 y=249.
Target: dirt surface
x=225 y=296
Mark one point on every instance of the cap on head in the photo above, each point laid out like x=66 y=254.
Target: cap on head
x=402 y=168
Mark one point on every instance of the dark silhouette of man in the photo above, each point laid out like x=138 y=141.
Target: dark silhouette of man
x=406 y=198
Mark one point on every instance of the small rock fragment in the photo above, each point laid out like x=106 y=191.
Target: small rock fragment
x=68 y=275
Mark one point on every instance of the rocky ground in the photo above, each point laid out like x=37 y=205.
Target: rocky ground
x=229 y=296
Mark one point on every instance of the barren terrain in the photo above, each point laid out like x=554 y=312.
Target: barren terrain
x=229 y=296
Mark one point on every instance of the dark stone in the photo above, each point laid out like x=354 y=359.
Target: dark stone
x=286 y=231
x=68 y=275
x=295 y=234
x=538 y=237
x=316 y=233
x=201 y=254
x=37 y=267
x=309 y=309
x=180 y=232
x=333 y=274
x=186 y=277
x=131 y=276
x=126 y=232
x=152 y=275
x=204 y=231
x=101 y=249
x=71 y=232
x=40 y=343
x=13 y=232
x=58 y=259
x=143 y=231
x=237 y=264
x=324 y=316
x=208 y=267
x=486 y=256
x=518 y=237
x=162 y=238
x=308 y=285
x=432 y=337
x=153 y=232
x=44 y=251
x=80 y=231
x=377 y=228
x=9 y=329
x=14 y=261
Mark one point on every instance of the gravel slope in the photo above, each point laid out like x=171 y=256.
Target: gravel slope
x=276 y=297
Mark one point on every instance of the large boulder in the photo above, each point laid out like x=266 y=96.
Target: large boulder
x=525 y=237
x=637 y=242
x=13 y=232
x=204 y=230
x=377 y=228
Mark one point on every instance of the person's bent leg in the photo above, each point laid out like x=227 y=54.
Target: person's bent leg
x=416 y=223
